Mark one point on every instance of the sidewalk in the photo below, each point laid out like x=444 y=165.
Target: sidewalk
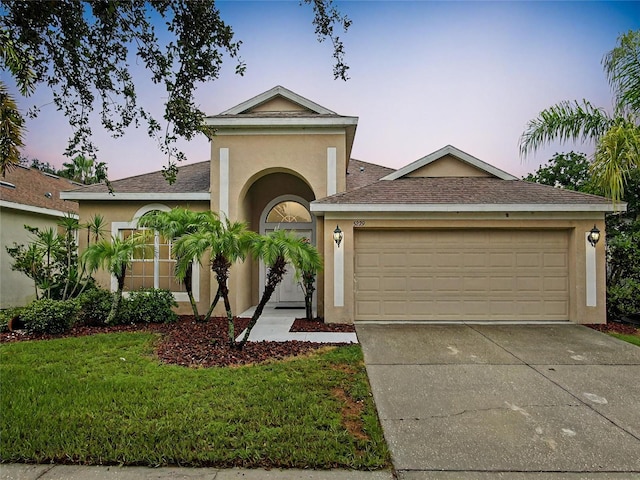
x=76 y=472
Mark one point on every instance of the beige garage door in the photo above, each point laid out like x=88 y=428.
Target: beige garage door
x=461 y=275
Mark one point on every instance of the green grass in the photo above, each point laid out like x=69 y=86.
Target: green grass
x=635 y=339
x=105 y=399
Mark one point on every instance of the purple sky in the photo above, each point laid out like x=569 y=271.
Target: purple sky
x=423 y=75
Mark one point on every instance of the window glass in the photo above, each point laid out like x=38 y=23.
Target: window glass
x=288 y=212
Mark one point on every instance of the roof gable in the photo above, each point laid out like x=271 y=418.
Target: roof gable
x=278 y=99
x=449 y=162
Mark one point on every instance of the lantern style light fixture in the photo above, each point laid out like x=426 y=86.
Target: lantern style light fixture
x=338 y=236
x=594 y=236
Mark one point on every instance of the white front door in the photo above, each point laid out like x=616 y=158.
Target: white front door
x=289 y=292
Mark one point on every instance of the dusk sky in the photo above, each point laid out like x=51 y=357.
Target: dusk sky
x=423 y=75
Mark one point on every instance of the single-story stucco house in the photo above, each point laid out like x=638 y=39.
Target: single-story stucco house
x=445 y=238
x=27 y=197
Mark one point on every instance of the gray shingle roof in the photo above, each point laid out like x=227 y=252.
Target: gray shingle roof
x=193 y=178
x=460 y=190
x=362 y=173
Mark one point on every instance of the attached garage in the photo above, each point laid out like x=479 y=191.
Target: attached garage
x=461 y=275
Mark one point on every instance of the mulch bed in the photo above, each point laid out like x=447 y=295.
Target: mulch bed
x=304 y=325
x=616 y=327
x=193 y=344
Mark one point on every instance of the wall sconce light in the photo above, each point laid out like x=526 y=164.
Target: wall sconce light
x=594 y=236
x=338 y=236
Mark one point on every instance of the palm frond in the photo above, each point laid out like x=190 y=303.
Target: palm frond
x=622 y=66
x=565 y=121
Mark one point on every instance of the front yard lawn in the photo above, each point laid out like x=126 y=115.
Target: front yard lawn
x=107 y=399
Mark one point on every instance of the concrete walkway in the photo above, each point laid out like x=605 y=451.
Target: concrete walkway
x=274 y=324
x=479 y=402
x=75 y=472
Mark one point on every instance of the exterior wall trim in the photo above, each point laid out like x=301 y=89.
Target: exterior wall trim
x=41 y=210
x=148 y=196
x=320 y=208
x=281 y=122
x=272 y=93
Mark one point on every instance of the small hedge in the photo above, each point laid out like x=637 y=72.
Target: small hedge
x=148 y=306
x=49 y=316
x=95 y=305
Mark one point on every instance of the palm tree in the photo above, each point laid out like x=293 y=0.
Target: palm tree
x=276 y=249
x=307 y=266
x=96 y=227
x=11 y=129
x=617 y=135
x=227 y=242
x=172 y=225
x=115 y=256
x=80 y=169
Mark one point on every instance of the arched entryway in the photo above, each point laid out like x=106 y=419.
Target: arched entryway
x=290 y=212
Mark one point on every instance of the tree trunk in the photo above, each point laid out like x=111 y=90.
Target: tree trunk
x=274 y=277
x=213 y=305
x=188 y=285
x=117 y=297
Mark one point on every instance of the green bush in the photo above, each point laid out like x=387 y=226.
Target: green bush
x=623 y=298
x=148 y=306
x=95 y=305
x=49 y=316
x=5 y=316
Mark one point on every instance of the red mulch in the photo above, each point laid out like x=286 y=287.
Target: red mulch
x=304 y=325
x=615 y=327
x=193 y=344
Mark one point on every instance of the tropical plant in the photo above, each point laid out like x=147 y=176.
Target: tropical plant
x=84 y=170
x=172 y=225
x=276 y=249
x=307 y=267
x=227 y=242
x=617 y=135
x=96 y=228
x=51 y=260
x=11 y=129
x=115 y=256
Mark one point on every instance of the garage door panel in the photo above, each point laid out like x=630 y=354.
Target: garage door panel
x=461 y=275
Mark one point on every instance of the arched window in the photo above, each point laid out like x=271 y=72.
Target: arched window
x=288 y=212
x=154 y=265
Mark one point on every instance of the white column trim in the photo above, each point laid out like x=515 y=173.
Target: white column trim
x=338 y=275
x=591 y=279
x=332 y=176
x=224 y=182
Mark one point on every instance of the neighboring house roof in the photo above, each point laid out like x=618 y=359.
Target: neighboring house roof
x=31 y=190
x=192 y=183
x=460 y=194
x=361 y=173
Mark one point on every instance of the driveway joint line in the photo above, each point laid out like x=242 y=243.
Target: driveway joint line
x=539 y=372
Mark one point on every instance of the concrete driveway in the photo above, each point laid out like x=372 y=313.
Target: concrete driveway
x=505 y=401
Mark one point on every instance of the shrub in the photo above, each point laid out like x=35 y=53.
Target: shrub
x=7 y=315
x=148 y=306
x=623 y=299
x=49 y=316
x=95 y=305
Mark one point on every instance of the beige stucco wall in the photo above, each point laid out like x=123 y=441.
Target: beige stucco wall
x=279 y=104
x=124 y=211
x=448 y=166
x=263 y=167
x=16 y=289
x=578 y=225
